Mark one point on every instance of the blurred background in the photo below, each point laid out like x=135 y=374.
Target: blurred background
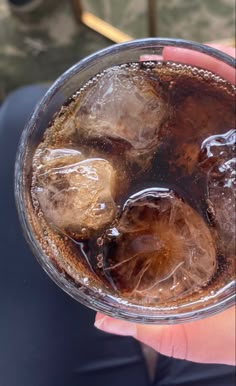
x=39 y=39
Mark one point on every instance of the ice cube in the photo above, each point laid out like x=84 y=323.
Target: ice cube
x=57 y=157
x=123 y=104
x=76 y=196
x=161 y=249
x=217 y=159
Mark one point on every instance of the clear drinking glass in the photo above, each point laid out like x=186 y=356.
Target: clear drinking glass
x=91 y=294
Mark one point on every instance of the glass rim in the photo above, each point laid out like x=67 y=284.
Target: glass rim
x=139 y=43
x=83 y=297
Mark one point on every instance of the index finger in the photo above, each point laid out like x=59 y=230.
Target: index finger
x=183 y=55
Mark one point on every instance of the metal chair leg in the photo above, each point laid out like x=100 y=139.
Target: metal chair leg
x=98 y=25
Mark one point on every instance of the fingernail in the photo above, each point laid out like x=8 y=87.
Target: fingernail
x=115 y=326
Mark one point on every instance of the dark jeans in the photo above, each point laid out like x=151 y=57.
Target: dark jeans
x=46 y=337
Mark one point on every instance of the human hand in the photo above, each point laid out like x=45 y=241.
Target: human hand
x=210 y=340
x=195 y=58
x=182 y=55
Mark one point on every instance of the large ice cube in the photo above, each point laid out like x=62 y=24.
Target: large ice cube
x=75 y=194
x=123 y=104
x=218 y=160
x=161 y=248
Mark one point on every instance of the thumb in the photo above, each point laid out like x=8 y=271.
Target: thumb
x=208 y=340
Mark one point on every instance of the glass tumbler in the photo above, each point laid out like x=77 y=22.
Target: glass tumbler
x=91 y=292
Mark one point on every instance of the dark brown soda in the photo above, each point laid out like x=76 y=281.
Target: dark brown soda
x=199 y=105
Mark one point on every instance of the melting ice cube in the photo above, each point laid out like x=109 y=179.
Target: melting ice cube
x=76 y=195
x=161 y=249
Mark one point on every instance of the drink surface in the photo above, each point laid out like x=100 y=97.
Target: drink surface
x=133 y=184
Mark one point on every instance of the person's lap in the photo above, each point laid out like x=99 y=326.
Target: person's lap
x=46 y=338
x=176 y=372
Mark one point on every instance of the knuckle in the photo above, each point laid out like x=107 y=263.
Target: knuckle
x=174 y=342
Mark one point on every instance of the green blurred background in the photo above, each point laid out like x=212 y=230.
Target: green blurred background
x=40 y=48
